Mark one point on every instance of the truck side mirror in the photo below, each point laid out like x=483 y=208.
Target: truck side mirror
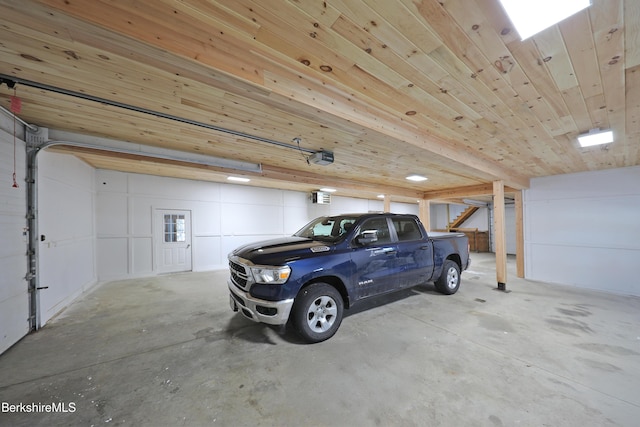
x=367 y=237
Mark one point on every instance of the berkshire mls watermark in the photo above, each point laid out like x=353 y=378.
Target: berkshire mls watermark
x=54 y=408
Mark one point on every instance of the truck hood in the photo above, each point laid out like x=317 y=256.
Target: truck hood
x=280 y=251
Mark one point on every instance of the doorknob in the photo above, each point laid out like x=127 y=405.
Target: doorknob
x=189 y=245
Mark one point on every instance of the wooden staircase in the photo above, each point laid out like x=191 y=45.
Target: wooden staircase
x=460 y=219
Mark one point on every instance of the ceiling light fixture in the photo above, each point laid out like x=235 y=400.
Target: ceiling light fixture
x=238 y=179
x=531 y=17
x=328 y=190
x=417 y=178
x=595 y=137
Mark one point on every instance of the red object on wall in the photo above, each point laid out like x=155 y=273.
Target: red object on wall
x=16 y=105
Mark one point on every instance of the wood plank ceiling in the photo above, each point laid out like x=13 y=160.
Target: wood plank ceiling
x=444 y=88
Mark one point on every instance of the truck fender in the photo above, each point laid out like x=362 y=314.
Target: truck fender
x=334 y=281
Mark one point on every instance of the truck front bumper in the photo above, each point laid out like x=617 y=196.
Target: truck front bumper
x=258 y=310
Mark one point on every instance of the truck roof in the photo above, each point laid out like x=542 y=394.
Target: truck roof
x=362 y=214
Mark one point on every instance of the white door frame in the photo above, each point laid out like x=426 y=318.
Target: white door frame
x=172 y=247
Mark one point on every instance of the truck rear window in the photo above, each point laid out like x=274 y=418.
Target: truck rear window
x=407 y=229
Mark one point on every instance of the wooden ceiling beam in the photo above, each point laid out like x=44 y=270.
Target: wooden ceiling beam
x=284 y=174
x=474 y=190
x=268 y=172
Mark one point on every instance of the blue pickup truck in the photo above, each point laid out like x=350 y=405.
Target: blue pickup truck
x=333 y=262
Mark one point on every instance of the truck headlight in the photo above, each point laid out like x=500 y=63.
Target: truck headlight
x=271 y=275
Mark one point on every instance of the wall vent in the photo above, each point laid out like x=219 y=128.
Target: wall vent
x=321 y=198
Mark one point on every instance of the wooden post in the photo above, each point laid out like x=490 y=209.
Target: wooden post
x=500 y=235
x=387 y=203
x=448 y=216
x=519 y=235
x=424 y=213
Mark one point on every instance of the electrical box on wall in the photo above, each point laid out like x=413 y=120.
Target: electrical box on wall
x=321 y=198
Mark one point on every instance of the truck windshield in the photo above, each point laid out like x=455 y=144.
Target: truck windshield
x=327 y=229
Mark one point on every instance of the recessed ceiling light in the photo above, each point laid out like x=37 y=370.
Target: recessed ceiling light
x=328 y=190
x=595 y=137
x=238 y=179
x=417 y=178
x=531 y=17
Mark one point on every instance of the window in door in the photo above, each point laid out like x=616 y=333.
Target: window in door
x=407 y=229
x=380 y=227
x=174 y=228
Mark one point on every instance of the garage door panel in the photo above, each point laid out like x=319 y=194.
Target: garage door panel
x=15 y=313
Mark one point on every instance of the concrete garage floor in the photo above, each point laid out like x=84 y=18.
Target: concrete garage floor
x=167 y=351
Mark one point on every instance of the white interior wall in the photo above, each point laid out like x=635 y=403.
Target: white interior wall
x=442 y=214
x=14 y=298
x=440 y=218
x=224 y=216
x=479 y=220
x=510 y=229
x=584 y=230
x=66 y=225
x=399 y=208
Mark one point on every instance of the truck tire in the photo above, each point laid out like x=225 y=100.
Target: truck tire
x=317 y=312
x=449 y=281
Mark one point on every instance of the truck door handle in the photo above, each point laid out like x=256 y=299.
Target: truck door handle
x=385 y=251
x=425 y=247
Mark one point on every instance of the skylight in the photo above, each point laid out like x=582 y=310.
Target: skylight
x=531 y=17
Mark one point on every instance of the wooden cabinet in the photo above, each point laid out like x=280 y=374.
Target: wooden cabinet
x=478 y=240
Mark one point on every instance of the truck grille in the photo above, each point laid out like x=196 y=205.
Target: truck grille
x=238 y=275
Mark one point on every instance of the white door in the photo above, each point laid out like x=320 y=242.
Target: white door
x=173 y=237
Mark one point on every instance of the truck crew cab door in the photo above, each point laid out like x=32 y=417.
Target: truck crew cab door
x=415 y=253
x=374 y=258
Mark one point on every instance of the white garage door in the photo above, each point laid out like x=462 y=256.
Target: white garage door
x=14 y=298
